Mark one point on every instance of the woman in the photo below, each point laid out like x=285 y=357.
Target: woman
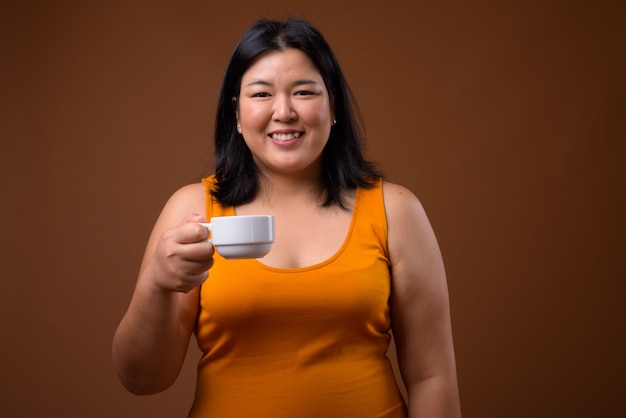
x=302 y=332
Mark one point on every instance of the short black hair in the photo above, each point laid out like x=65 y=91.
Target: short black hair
x=343 y=164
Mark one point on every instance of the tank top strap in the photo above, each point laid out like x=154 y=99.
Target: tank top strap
x=213 y=207
x=209 y=185
x=371 y=207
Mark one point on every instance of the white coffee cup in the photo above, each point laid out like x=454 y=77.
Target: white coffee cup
x=245 y=236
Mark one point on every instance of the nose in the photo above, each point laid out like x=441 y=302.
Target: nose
x=283 y=109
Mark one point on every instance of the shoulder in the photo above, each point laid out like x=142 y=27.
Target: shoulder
x=190 y=198
x=409 y=230
x=399 y=201
x=189 y=193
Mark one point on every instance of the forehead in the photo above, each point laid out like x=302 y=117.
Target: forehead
x=279 y=65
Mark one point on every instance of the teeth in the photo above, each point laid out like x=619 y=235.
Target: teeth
x=285 y=137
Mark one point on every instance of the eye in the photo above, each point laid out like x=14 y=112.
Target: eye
x=261 y=94
x=304 y=93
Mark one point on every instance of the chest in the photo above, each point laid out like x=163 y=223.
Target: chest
x=266 y=309
x=305 y=239
x=305 y=234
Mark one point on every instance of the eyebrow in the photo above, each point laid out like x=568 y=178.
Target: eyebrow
x=295 y=83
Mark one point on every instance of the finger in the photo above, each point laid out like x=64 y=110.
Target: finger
x=201 y=268
x=193 y=268
x=191 y=281
x=197 y=280
x=192 y=232
x=198 y=251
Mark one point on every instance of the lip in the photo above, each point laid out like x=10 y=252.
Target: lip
x=285 y=142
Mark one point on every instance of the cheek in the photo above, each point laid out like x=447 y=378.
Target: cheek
x=252 y=116
x=317 y=116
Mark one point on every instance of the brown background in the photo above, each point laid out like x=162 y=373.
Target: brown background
x=505 y=118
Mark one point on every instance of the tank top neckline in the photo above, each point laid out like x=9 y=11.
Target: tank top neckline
x=323 y=263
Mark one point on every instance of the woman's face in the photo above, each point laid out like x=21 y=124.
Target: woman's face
x=284 y=113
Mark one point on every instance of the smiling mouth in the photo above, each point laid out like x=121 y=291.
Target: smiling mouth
x=285 y=137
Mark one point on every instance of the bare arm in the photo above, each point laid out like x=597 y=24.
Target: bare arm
x=151 y=341
x=420 y=309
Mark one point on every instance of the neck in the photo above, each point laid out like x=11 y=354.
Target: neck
x=277 y=189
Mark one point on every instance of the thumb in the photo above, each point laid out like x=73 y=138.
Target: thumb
x=194 y=217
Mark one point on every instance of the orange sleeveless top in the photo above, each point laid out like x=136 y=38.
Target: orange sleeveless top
x=302 y=342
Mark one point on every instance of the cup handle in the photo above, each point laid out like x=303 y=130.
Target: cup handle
x=207 y=226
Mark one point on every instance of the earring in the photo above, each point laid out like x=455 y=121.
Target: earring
x=334 y=122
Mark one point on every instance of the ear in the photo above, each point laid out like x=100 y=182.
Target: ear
x=236 y=107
